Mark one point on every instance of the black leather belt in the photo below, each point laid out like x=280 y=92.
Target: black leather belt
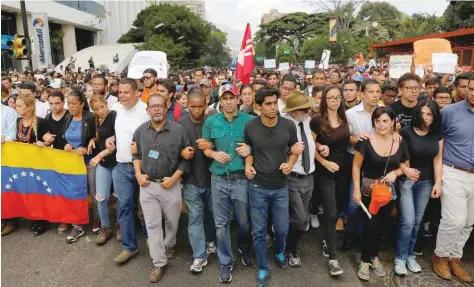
x=157 y=180
x=297 y=175
x=234 y=175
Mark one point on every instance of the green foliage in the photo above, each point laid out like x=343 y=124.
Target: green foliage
x=378 y=11
x=459 y=15
x=57 y=39
x=282 y=57
x=216 y=54
x=184 y=37
x=418 y=25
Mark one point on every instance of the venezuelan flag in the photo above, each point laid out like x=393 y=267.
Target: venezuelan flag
x=42 y=183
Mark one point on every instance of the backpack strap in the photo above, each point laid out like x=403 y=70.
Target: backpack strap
x=176 y=112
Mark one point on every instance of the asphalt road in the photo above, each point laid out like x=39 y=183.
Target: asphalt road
x=49 y=261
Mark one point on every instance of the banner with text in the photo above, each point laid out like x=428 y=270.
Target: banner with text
x=269 y=64
x=148 y=59
x=425 y=48
x=324 y=59
x=399 y=65
x=42 y=56
x=332 y=30
x=309 y=64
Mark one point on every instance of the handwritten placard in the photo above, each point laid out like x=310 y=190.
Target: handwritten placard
x=425 y=48
x=284 y=66
x=399 y=65
x=444 y=62
x=309 y=64
x=269 y=63
x=148 y=59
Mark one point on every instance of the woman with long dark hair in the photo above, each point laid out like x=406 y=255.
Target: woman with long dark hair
x=424 y=139
x=377 y=158
x=331 y=129
x=79 y=130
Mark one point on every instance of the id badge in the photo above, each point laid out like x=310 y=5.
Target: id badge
x=153 y=154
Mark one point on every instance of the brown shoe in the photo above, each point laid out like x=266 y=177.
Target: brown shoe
x=8 y=229
x=339 y=225
x=156 y=274
x=105 y=235
x=125 y=256
x=170 y=252
x=118 y=233
x=441 y=267
x=458 y=271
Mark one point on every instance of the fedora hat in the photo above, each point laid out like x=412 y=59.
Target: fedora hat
x=298 y=101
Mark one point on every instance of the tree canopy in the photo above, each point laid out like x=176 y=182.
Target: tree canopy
x=181 y=34
x=459 y=15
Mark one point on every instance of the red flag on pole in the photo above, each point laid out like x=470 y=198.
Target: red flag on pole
x=245 y=63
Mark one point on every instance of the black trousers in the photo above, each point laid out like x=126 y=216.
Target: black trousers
x=333 y=194
x=373 y=229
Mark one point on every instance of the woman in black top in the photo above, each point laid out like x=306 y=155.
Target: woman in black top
x=423 y=179
x=331 y=129
x=104 y=161
x=370 y=160
x=28 y=131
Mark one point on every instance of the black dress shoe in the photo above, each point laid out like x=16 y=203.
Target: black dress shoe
x=348 y=241
x=39 y=230
x=33 y=225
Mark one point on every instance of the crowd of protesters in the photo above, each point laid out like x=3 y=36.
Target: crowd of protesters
x=273 y=156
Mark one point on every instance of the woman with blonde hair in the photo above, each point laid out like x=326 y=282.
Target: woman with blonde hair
x=104 y=161
x=27 y=132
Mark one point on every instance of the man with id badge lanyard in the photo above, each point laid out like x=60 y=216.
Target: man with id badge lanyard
x=158 y=169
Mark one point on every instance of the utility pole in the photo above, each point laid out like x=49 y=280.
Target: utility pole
x=27 y=35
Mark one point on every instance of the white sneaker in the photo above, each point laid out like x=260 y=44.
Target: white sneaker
x=313 y=218
x=211 y=248
x=197 y=265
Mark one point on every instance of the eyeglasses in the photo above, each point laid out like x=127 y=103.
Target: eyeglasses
x=156 y=107
x=413 y=89
x=147 y=78
x=335 y=99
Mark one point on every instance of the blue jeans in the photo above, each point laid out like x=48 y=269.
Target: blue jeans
x=103 y=182
x=125 y=184
x=201 y=226
x=261 y=199
x=414 y=197
x=228 y=195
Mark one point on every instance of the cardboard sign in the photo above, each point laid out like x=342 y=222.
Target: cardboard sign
x=399 y=65
x=309 y=64
x=269 y=64
x=444 y=62
x=284 y=66
x=148 y=59
x=425 y=48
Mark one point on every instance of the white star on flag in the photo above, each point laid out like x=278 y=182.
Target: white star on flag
x=38 y=178
x=15 y=176
x=32 y=174
x=45 y=183
x=10 y=179
x=8 y=186
x=23 y=174
x=49 y=190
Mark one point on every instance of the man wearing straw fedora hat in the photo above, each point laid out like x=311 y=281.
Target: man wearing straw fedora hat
x=300 y=181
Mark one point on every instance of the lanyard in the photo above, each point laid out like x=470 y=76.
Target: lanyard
x=154 y=141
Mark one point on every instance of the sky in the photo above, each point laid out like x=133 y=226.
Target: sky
x=235 y=14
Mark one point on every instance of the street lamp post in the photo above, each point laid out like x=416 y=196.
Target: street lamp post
x=372 y=26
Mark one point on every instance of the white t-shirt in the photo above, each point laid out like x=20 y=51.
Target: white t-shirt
x=126 y=122
x=42 y=109
x=111 y=100
x=360 y=122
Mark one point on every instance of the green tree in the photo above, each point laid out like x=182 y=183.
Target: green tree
x=183 y=35
x=282 y=57
x=459 y=15
x=216 y=53
x=419 y=24
x=312 y=49
x=297 y=25
x=378 y=11
x=343 y=10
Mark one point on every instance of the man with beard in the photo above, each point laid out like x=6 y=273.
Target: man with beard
x=149 y=81
x=197 y=185
x=158 y=169
x=271 y=138
x=351 y=93
x=100 y=85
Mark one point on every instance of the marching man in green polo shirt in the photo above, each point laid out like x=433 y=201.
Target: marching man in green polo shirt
x=229 y=186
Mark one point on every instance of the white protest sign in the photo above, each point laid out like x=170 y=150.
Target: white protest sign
x=325 y=59
x=148 y=59
x=269 y=63
x=399 y=65
x=420 y=71
x=309 y=64
x=444 y=62
x=284 y=66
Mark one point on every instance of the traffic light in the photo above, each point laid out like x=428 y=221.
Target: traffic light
x=17 y=47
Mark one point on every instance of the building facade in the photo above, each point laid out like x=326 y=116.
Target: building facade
x=197 y=6
x=273 y=15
